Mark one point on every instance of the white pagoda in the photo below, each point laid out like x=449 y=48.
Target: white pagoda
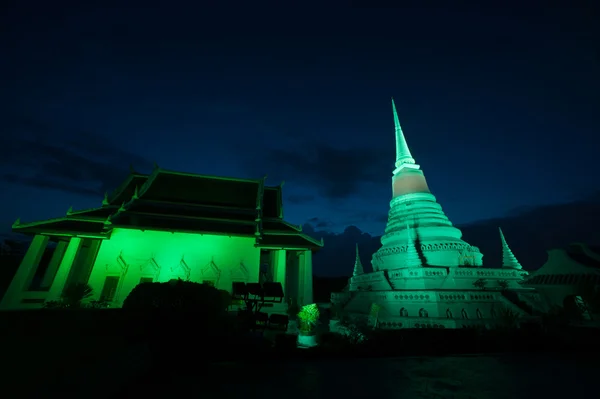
x=424 y=275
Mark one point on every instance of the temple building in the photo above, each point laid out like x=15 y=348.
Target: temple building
x=424 y=275
x=567 y=274
x=163 y=226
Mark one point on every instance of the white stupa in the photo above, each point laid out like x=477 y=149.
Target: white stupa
x=424 y=274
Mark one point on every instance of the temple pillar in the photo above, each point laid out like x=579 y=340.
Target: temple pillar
x=279 y=258
x=305 y=289
x=64 y=268
x=57 y=256
x=25 y=273
x=84 y=262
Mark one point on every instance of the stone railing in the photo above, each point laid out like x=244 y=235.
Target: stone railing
x=478 y=272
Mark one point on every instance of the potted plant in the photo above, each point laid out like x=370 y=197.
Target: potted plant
x=308 y=319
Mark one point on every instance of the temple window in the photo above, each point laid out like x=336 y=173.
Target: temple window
x=478 y=313
x=423 y=313
x=464 y=314
x=109 y=289
x=448 y=314
x=403 y=312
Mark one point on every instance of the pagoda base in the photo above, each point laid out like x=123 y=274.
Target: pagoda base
x=439 y=308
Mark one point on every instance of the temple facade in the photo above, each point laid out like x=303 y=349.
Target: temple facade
x=424 y=275
x=163 y=226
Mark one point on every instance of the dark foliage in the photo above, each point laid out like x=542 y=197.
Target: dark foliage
x=181 y=311
x=178 y=295
x=74 y=296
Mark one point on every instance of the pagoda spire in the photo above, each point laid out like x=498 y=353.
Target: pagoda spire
x=412 y=255
x=403 y=155
x=358 y=267
x=509 y=260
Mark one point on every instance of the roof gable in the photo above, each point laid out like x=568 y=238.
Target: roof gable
x=176 y=187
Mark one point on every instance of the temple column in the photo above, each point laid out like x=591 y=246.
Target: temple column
x=307 y=280
x=64 y=268
x=279 y=258
x=305 y=289
x=25 y=273
x=279 y=276
x=57 y=256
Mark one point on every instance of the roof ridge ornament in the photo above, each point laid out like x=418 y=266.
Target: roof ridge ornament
x=16 y=222
x=105 y=201
x=122 y=208
x=70 y=210
x=136 y=194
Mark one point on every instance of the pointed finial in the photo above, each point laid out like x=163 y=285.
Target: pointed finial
x=70 y=210
x=107 y=221
x=403 y=155
x=122 y=207
x=105 y=201
x=502 y=238
x=155 y=166
x=282 y=183
x=322 y=241
x=358 y=267
x=509 y=260
x=135 y=193
x=16 y=222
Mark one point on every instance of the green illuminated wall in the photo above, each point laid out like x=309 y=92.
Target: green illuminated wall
x=162 y=256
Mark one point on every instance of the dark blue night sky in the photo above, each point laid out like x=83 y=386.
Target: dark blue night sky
x=499 y=106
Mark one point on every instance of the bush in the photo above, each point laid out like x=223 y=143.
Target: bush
x=179 y=307
x=177 y=295
x=74 y=296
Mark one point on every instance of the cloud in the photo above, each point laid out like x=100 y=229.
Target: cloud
x=334 y=173
x=349 y=218
x=37 y=154
x=319 y=223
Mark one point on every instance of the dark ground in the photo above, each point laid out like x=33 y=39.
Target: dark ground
x=476 y=377
x=105 y=368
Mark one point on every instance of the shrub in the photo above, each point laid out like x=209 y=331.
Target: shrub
x=73 y=297
x=177 y=295
x=179 y=307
